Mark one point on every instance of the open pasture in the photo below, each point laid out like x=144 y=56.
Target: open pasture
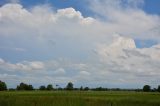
x=78 y=98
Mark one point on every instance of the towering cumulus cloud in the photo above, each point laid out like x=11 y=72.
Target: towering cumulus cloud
x=42 y=44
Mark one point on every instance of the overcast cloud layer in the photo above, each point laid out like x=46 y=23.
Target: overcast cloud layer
x=44 y=45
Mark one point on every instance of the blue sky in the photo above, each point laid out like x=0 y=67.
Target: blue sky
x=78 y=5
x=109 y=43
x=150 y=6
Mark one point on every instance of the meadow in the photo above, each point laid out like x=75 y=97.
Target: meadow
x=79 y=98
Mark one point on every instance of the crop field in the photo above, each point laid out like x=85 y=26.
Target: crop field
x=78 y=98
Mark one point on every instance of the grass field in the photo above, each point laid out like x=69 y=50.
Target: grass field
x=77 y=98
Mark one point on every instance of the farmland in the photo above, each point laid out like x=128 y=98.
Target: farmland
x=78 y=98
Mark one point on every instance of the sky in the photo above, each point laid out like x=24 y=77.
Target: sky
x=107 y=43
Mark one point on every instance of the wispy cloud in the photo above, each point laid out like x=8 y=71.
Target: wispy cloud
x=13 y=49
x=14 y=1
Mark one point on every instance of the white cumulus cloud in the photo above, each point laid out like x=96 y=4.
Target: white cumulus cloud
x=62 y=45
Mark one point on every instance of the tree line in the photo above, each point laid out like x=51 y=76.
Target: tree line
x=70 y=86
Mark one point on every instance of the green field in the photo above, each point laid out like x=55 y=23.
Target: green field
x=77 y=98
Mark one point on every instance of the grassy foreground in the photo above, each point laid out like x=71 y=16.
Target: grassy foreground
x=77 y=98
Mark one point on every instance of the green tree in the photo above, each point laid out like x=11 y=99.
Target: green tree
x=86 y=88
x=23 y=86
x=30 y=87
x=158 y=89
x=69 y=86
x=3 y=86
x=49 y=87
x=146 y=88
x=99 y=89
x=42 y=87
x=81 y=88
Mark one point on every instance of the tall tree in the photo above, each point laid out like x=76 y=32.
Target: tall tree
x=86 y=88
x=49 y=87
x=30 y=87
x=69 y=86
x=3 y=86
x=158 y=89
x=146 y=88
x=23 y=86
x=42 y=87
x=81 y=88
